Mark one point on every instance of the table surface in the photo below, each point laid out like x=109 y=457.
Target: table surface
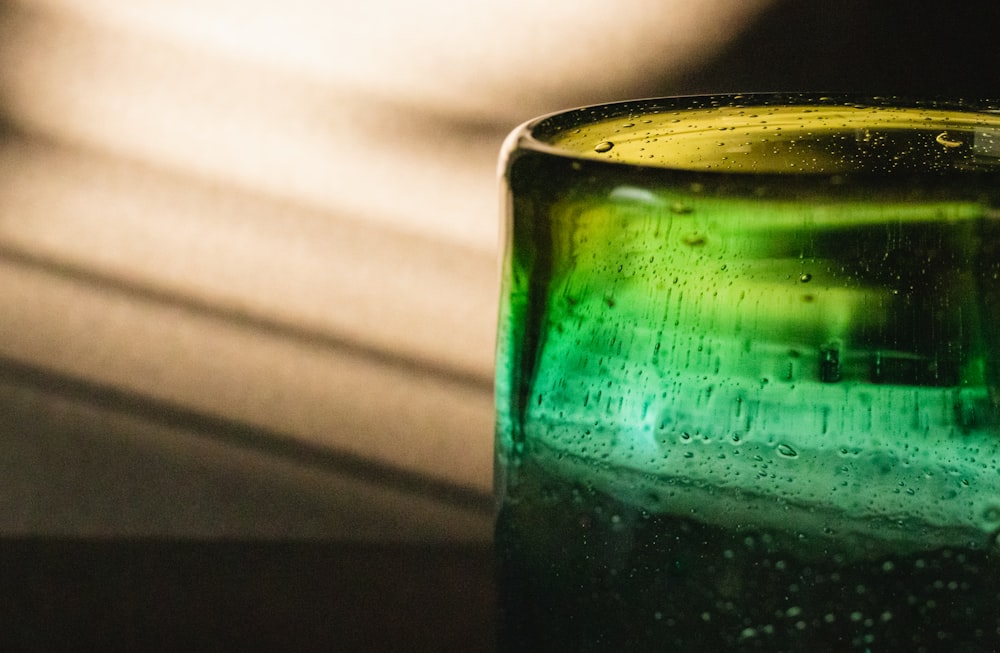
x=152 y=595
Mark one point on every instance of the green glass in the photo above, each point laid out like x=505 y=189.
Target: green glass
x=747 y=372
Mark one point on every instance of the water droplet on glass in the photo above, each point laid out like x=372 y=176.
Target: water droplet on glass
x=829 y=370
x=945 y=139
x=787 y=450
x=992 y=514
x=604 y=146
x=806 y=278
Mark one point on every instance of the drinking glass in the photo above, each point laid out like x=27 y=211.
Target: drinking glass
x=747 y=372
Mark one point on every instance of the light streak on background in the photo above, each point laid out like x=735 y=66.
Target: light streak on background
x=283 y=216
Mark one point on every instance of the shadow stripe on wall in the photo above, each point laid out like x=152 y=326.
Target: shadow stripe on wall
x=243 y=319
x=248 y=436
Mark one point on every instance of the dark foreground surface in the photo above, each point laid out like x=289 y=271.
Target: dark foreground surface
x=155 y=595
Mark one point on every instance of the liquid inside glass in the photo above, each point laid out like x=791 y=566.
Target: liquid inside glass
x=747 y=380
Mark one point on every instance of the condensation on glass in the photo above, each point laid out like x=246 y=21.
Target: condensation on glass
x=746 y=376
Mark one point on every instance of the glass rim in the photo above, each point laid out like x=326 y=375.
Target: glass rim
x=537 y=134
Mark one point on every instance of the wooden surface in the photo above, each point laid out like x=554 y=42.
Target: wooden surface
x=165 y=595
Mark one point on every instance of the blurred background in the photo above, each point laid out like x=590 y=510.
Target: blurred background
x=248 y=266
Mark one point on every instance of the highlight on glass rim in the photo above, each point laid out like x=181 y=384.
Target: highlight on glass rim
x=747 y=372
